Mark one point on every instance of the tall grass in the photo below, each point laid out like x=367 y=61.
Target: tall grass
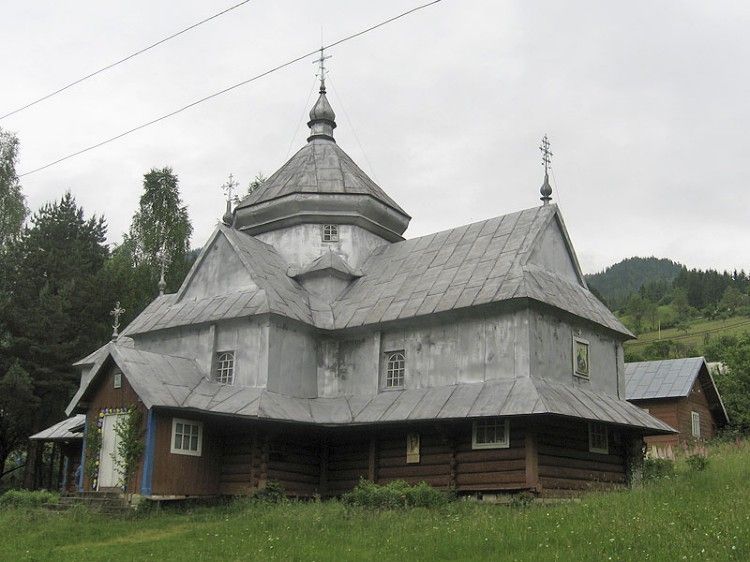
x=694 y=515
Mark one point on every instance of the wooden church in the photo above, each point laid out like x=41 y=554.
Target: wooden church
x=313 y=346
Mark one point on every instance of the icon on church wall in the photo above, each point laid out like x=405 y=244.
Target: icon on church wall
x=412 y=447
x=581 y=357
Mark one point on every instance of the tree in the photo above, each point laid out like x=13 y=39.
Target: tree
x=56 y=309
x=13 y=210
x=17 y=407
x=161 y=224
x=256 y=182
x=732 y=299
x=734 y=384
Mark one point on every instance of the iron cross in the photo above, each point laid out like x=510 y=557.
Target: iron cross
x=322 y=72
x=116 y=322
x=546 y=153
x=229 y=187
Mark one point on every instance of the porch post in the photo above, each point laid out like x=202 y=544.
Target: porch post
x=82 y=466
x=148 y=453
x=532 y=460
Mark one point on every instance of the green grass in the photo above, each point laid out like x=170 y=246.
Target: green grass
x=694 y=516
x=696 y=333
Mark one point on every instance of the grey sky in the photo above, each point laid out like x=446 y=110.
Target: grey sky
x=645 y=103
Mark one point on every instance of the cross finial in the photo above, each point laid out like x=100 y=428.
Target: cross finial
x=546 y=189
x=163 y=263
x=229 y=187
x=322 y=71
x=115 y=314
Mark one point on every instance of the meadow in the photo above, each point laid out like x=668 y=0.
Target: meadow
x=695 y=515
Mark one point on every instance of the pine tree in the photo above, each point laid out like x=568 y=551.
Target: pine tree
x=17 y=408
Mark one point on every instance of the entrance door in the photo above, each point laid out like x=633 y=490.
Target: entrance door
x=109 y=477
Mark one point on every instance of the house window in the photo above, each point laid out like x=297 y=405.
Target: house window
x=187 y=437
x=581 y=357
x=118 y=380
x=395 y=369
x=225 y=367
x=695 y=417
x=490 y=433
x=598 y=438
x=412 y=447
x=330 y=233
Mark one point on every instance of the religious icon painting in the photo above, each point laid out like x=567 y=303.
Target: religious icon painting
x=581 y=357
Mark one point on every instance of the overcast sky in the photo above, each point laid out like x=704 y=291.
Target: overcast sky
x=646 y=105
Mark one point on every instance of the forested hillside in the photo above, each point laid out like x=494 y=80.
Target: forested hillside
x=616 y=283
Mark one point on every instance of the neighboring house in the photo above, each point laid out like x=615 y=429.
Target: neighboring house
x=311 y=345
x=681 y=393
x=66 y=438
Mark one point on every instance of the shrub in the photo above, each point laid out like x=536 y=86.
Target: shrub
x=522 y=500
x=272 y=493
x=394 y=495
x=697 y=462
x=25 y=498
x=655 y=469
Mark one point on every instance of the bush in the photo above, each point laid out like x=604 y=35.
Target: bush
x=272 y=493
x=25 y=498
x=394 y=495
x=697 y=462
x=656 y=469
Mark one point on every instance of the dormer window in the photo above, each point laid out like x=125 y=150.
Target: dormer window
x=395 y=369
x=330 y=233
x=225 y=367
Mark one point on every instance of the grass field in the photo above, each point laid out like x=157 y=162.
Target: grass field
x=696 y=334
x=695 y=516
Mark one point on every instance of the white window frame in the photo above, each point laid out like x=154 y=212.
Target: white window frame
x=224 y=374
x=695 y=422
x=576 y=372
x=593 y=426
x=330 y=233
x=496 y=422
x=180 y=451
x=400 y=373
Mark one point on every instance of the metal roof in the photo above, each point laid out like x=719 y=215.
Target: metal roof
x=463 y=267
x=173 y=382
x=321 y=166
x=670 y=378
x=70 y=429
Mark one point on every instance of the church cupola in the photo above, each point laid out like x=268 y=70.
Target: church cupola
x=321 y=187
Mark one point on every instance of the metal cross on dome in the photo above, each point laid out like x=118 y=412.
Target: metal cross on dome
x=322 y=72
x=115 y=314
x=229 y=187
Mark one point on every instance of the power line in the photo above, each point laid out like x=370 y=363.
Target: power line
x=127 y=58
x=233 y=87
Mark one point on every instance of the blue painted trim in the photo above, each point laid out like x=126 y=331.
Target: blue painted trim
x=64 y=483
x=148 y=457
x=82 y=468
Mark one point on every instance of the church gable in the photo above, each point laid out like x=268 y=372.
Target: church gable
x=218 y=271
x=554 y=253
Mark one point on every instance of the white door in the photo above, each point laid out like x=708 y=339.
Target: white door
x=109 y=477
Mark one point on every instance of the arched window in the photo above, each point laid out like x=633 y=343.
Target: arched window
x=225 y=367
x=394 y=370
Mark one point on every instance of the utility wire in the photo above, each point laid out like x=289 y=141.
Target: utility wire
x=233 y=87
x=127 y=58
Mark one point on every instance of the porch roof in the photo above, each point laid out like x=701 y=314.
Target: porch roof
x=70 y=429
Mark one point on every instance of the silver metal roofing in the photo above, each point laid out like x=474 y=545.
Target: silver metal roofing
x=70 y=429
x=671 y=378
x=321 y=166
x=173 y=382
x=468 y=266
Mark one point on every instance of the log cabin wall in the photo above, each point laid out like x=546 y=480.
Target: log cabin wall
x=241 y=461
x=347 y=459
x=105 y=395
x=567 y=465
x=186 y=475
x=294 y=460
x=696 y=401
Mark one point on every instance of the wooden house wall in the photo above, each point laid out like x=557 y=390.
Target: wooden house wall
x=105 y=395
x=242 y=461
x=565 y=462
x=293 y=460
x=176 y=474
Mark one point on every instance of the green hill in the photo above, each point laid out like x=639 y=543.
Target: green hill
x=618 y=281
